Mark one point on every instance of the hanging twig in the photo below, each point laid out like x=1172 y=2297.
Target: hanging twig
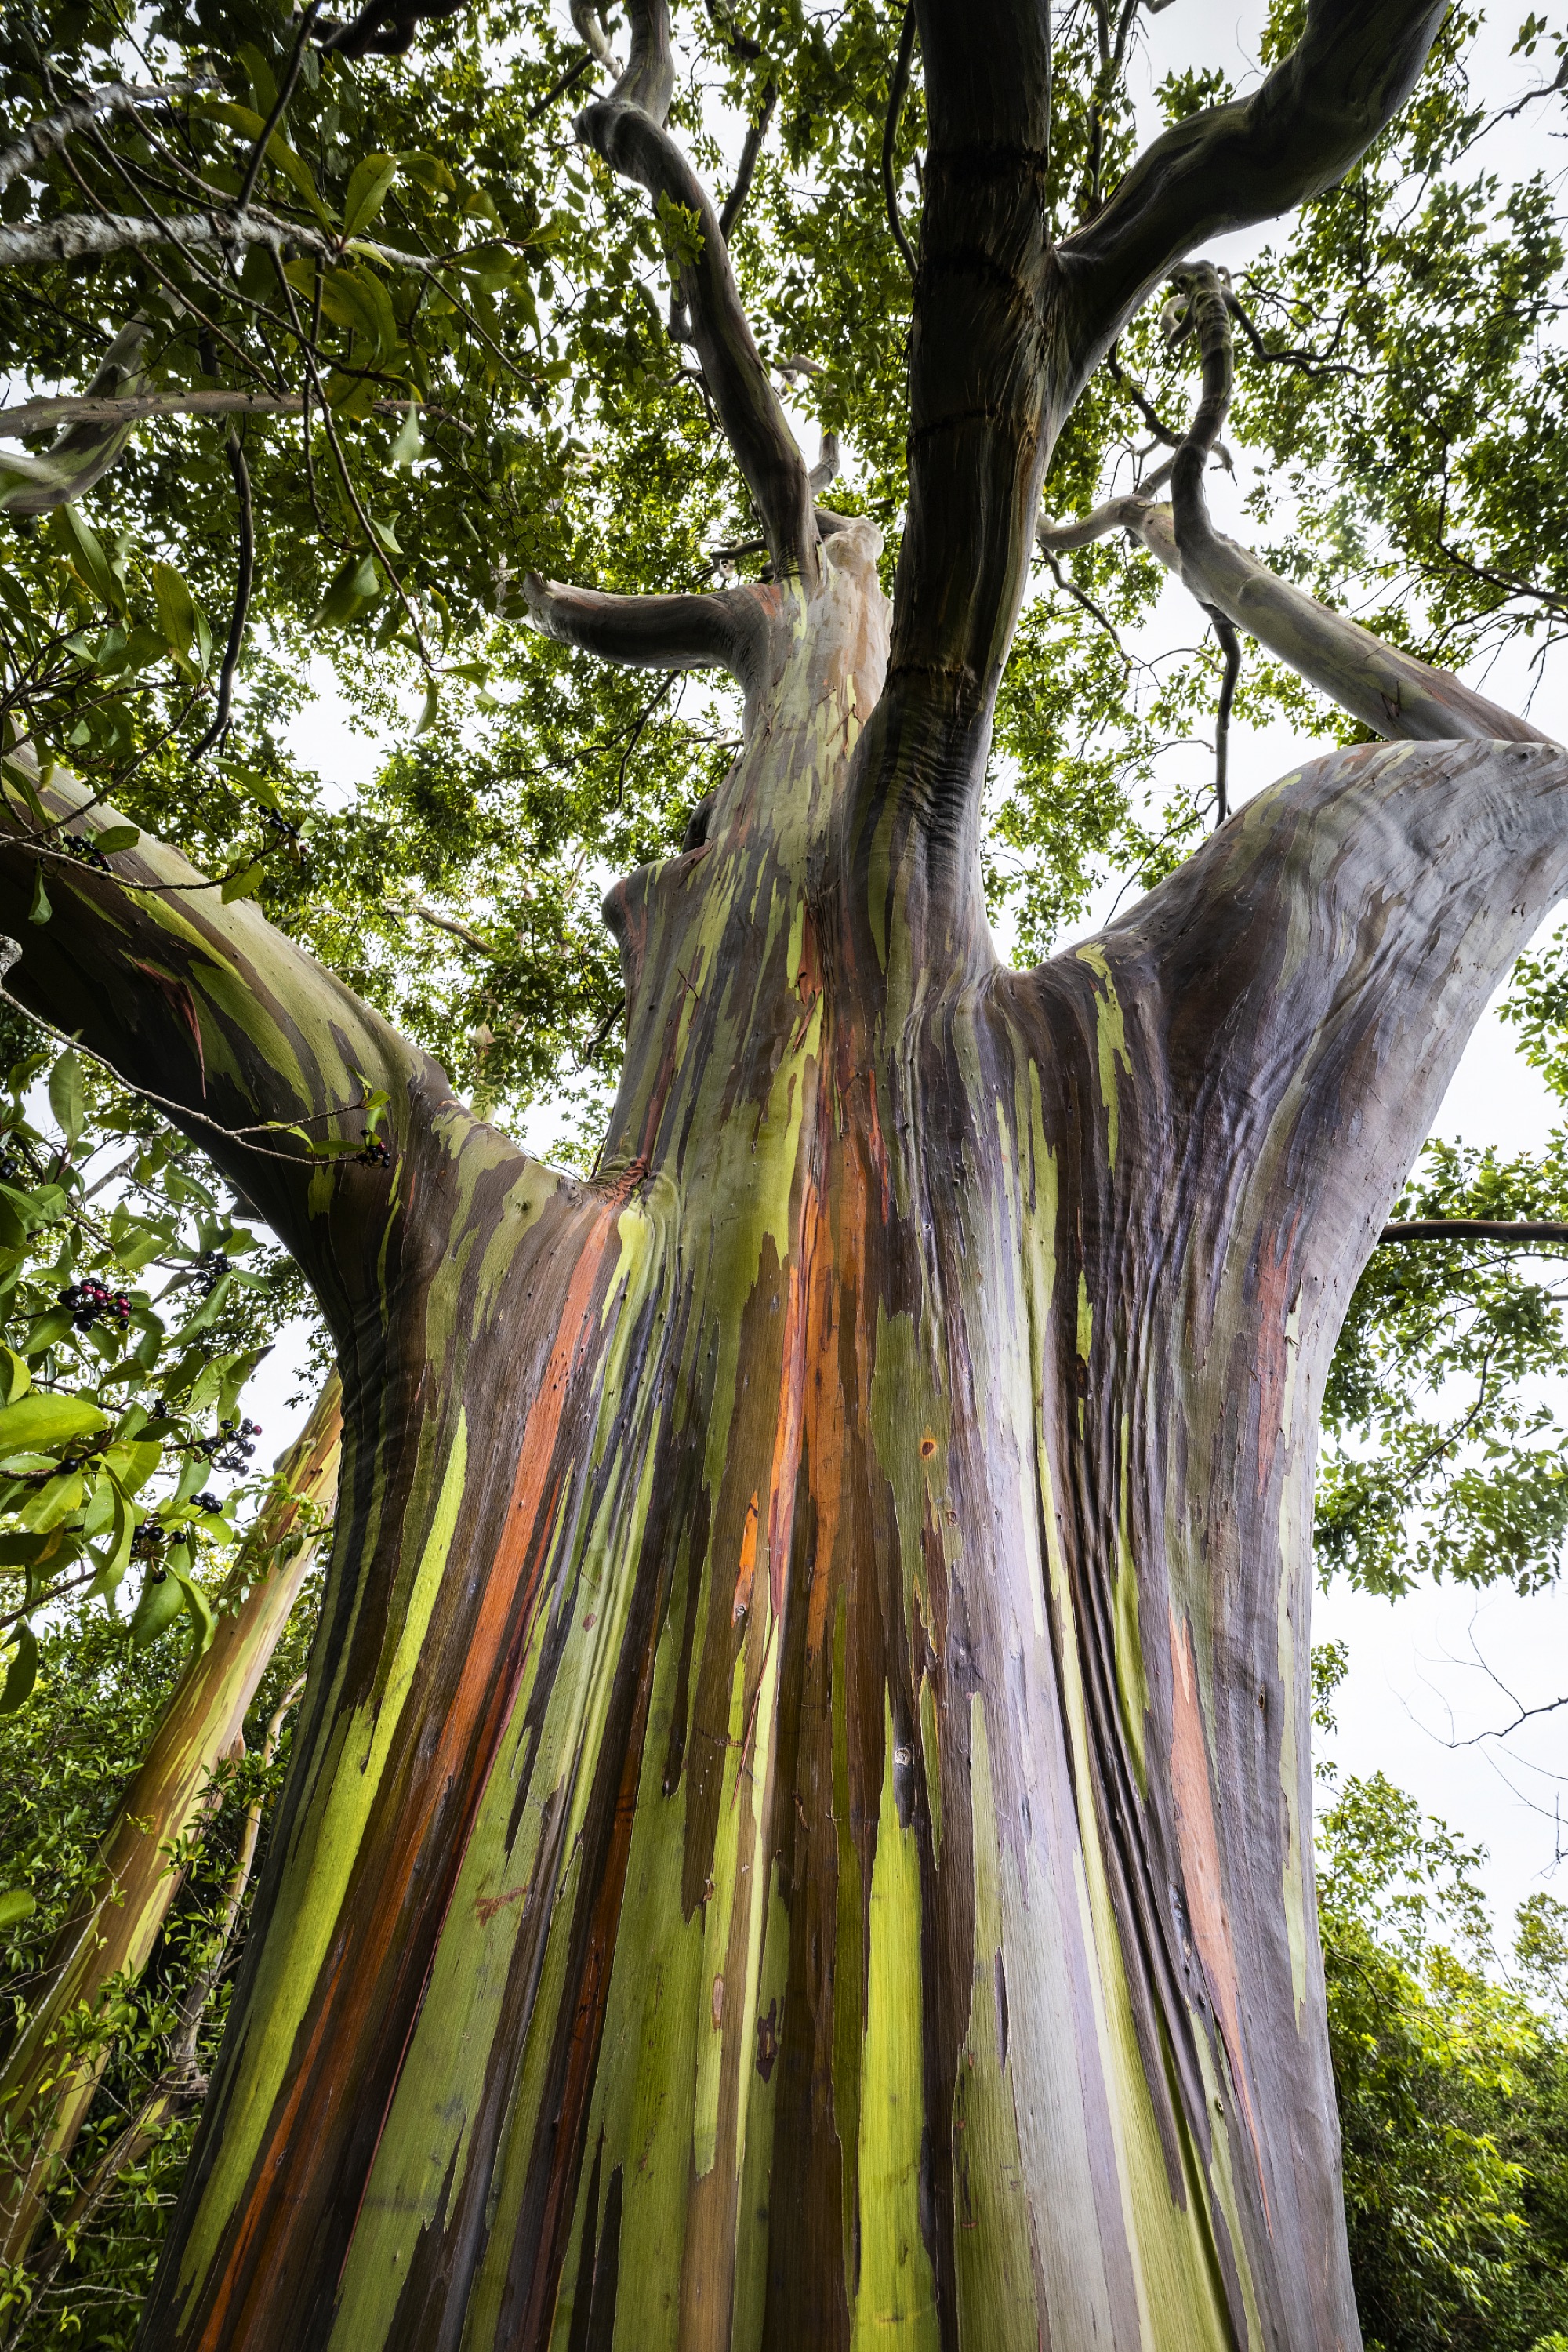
x=279 y=104
x=897 y=89
x=1081 y=596
x=568 y=81
x=603 y=1031
x=642 y=720
x=755 y=134
x=1230 y=646
x=241 y=473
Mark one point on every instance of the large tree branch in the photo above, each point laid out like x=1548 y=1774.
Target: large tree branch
x=1388 y=690
x=86 y=408
x=1304 y=986
x=49 y=133
x=206 y=1008
x=628 y=129
x=727 y=629
x=87 y=448
x=85 y=237
x=1524 y=1232
x=1320 y=109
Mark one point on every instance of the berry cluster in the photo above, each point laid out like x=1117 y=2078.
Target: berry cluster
x=11 y=1168
x=147 y=1543
x=77 y=846
x=375 y=1153
x=206 y=1500
x=232 y=1447
x=88 y=1302
x=208 y=1271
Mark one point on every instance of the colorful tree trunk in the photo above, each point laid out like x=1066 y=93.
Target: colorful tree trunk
x=45 y=2089
x=800 y=1828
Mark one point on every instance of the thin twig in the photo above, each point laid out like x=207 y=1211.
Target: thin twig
x=279 y=105
x=241 y=473
x=1230 y=646
x=450 y=923
x=1081 y=596
x=899 y=85
x=603 y=1031
x=568 y=81
x=643 y=717
x=755 y=134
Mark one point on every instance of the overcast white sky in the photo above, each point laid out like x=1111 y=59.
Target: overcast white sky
x=1415 y=1685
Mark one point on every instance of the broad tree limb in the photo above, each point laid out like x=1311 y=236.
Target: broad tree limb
x=628 y=129
x=207 y=1008
x=746 y=171
x=1388 y=689
x=1355 y=64
x=1523 y=1233
x=49 y=134
x=725 y=630
x=89 y=447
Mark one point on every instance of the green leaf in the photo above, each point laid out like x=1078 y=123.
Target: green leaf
x=23 y=1671
x=117 y=837
x=84 y=550
x=15 y=1379
x=199 y=1607
x=42 y=1333
x=67 y=1097
x=242 y=885
x=408 y=444
x=369 y=181
x=135 y=1246
x=432 y=705
x=175 y=610
x=162 y=1597
x=430 y=170
x=40 y=910
x=353 y=588
x=44 y=1417
x=15 y=1905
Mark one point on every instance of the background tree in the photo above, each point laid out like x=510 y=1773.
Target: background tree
x=864 y=1440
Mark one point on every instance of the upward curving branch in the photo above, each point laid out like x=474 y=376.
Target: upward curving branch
x=1389 y=690
x=1320 y=109
x=628 y=129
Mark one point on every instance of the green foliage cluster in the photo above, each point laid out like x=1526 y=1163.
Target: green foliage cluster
x=1445 y=1456
x=64 y=1764
x=131 y=1323
x=114 y=1557
x=1451 y=2066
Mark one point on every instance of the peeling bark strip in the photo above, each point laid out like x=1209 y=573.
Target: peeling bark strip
x=800 y=1829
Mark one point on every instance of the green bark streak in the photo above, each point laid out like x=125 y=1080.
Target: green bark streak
x=895 y=2303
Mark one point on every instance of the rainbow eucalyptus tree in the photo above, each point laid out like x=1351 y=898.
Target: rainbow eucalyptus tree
x=800 y=1828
